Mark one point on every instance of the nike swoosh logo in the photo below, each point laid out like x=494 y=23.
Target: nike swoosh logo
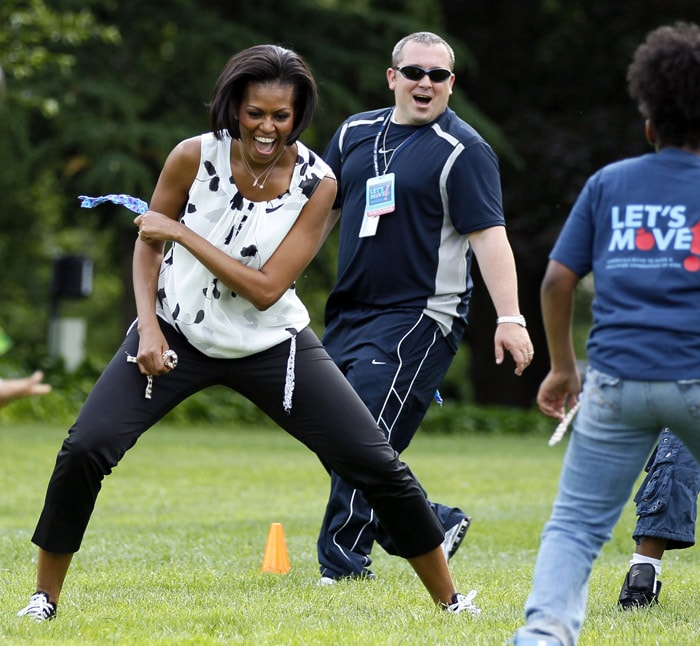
x=378 y=363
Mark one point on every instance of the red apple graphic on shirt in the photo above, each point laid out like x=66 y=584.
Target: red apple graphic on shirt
x=644 y=240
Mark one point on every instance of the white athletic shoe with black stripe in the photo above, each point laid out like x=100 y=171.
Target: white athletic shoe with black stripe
x=454 y=537
x=39 y=607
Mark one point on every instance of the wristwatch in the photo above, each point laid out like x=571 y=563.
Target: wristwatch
x=519 y=320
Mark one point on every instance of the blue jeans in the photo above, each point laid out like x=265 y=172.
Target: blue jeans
x=614 y=432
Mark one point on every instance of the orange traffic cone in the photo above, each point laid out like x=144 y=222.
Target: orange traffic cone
x=276 y=558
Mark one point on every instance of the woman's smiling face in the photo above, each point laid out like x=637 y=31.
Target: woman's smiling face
x=266 y=117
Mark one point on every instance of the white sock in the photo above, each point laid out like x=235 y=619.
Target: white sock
x=640 y=558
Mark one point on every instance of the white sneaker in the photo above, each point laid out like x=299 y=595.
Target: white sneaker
x=39 y=607
x=365 y=575
x=454 y=537
x=461 y=603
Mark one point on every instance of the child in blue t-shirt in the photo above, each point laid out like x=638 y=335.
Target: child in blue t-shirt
x=636 y=228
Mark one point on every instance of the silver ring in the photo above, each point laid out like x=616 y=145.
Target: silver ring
x=170 y=359
x=530 y=354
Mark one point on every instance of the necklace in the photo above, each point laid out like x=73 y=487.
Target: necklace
x=393 y=151
x=384 y=150
x=259 y=180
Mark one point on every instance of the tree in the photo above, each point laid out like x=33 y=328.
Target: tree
x=552 y=75
x=127 y=81
x=37 y=51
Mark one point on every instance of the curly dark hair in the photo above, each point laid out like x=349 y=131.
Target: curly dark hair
x=664 y=81
x=262 y=64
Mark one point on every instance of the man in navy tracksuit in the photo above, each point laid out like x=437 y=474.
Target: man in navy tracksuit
x=419 y=192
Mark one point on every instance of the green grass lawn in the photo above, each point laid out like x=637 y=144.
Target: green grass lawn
x=174 y=550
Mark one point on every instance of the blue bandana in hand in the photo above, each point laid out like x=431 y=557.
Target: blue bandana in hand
x=132 y=203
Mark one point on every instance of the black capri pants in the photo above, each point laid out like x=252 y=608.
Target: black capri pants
x=326 y=415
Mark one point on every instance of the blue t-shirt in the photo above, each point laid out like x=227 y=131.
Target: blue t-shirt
x=447 y=185
x=636 y=226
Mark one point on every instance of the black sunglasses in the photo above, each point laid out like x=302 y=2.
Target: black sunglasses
x=416 y=73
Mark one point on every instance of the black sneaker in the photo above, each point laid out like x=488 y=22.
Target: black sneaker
x=640 y=588
x=454 y=537
x=39 y=607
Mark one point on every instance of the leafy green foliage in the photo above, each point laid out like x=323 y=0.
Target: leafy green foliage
x=127 y=81
x=40 y=42
x=100 y=92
